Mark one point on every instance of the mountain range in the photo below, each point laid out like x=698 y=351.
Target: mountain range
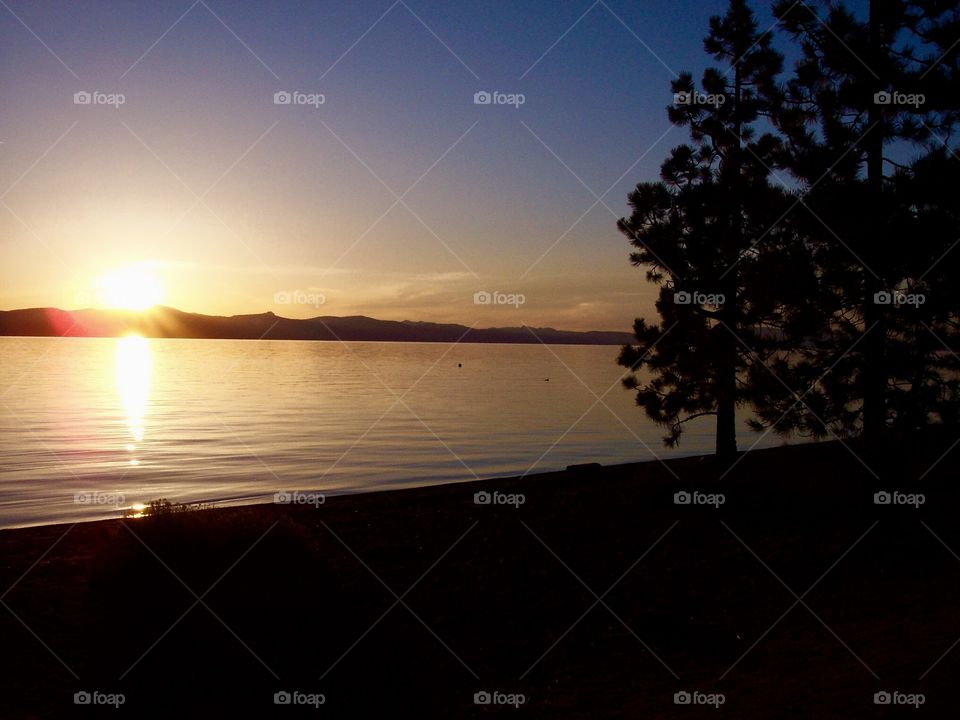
x=165 y=322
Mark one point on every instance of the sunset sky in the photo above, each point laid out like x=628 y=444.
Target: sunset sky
x=203 y=188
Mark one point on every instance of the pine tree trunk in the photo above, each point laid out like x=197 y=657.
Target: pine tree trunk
x=726 y=430
x=874 y=373
x=726 y=380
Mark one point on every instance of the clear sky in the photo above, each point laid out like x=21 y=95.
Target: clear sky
x=223 y=198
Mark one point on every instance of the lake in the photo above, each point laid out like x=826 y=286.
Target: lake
x=90 y=427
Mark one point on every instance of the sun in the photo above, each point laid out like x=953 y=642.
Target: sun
x=132 y=287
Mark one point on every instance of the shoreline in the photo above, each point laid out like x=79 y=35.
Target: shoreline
x=408 y=485
x=578 y=470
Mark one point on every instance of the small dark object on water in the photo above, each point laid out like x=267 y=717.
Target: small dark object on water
x=546 y=379
x=459 y=364
x=582 y=467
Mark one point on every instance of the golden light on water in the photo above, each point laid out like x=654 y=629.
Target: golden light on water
x=133 y=385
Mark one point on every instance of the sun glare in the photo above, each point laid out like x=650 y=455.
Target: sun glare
x=130 y=288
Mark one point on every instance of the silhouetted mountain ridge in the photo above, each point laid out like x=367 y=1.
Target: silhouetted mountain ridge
x=166 y=322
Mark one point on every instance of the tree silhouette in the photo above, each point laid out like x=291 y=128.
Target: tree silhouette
x=698 y=233
x=877 y=225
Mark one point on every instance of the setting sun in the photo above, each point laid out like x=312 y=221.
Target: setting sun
x=129 y=288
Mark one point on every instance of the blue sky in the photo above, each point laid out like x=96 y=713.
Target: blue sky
x=228 y=198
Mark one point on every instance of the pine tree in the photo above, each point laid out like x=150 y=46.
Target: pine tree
x=707 y=234
x=863 y=91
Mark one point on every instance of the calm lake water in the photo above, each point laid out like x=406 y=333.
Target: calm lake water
x=91 y=426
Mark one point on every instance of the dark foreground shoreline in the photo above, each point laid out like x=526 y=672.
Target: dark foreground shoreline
x=597 y=596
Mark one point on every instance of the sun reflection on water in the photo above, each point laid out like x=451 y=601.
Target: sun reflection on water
x=133 y=385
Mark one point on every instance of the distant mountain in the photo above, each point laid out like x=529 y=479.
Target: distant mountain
x=164 y=322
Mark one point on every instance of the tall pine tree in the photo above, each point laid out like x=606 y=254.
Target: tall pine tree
x=708 y=235
x=866 y=89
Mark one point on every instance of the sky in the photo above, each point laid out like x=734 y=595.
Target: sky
x=381 y=189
